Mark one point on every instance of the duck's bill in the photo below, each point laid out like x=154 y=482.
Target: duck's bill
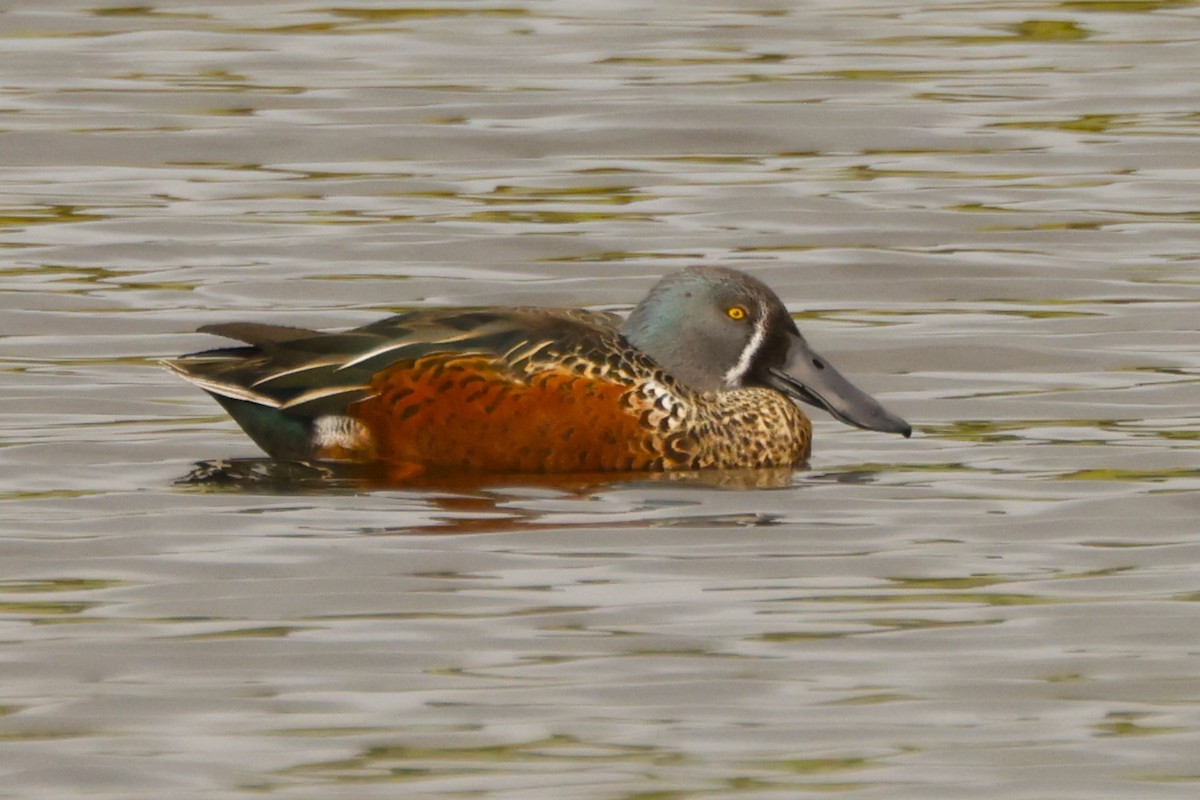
x=810 y=378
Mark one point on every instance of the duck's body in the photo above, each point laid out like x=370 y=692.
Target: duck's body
x=694 y=378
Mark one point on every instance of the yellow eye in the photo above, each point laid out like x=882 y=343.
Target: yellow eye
x=736 y=312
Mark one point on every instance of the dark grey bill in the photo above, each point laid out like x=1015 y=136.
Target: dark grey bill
x=810 y=378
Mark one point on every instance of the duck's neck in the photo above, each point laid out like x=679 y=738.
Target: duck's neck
x=655 y=329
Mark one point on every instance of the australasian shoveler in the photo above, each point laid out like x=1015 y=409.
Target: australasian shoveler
x=702 y=374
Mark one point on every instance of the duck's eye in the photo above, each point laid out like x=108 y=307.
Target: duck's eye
x=735 y=312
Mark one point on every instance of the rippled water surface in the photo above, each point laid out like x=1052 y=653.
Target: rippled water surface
x=985 y=212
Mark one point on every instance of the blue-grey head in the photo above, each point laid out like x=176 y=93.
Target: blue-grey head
x=715 y=329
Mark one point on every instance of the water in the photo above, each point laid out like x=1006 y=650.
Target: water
x=984 y=212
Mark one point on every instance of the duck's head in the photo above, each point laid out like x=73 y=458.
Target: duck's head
x=715 y=328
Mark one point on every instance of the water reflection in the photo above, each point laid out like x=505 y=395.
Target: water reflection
x=258 y=474
x=470 y=503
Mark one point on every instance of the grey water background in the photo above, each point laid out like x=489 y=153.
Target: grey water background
x=986 y=212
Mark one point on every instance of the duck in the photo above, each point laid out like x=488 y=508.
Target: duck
x=706 y=372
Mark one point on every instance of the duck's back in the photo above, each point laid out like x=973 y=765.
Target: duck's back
x=486 y=389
